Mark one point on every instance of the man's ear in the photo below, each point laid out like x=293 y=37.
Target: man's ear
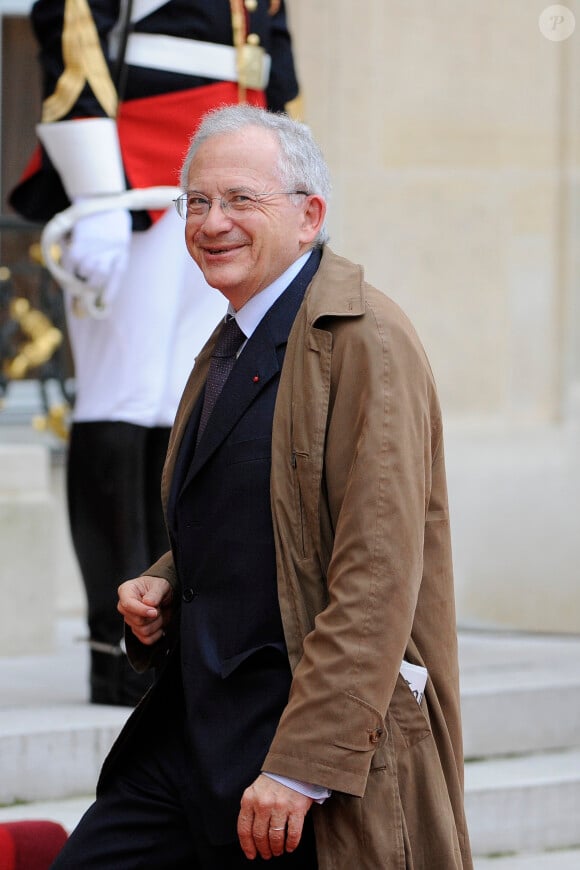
x=313 y=218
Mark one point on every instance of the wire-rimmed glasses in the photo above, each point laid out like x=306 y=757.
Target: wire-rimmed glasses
x=194 y=204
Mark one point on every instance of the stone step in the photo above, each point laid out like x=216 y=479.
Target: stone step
x=66 y=812
x=55 y=752
x=528 y=803
x=519 y=693
x=520 y=718
x=562 y=859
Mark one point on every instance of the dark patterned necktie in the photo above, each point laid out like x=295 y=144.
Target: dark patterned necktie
x=222 y=362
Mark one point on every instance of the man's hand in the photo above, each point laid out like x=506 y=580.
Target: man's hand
x=145 y=605
x=271 y=818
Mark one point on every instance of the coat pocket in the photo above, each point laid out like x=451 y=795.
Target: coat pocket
x=410 y=723
x=259 y=655
x=297 y=461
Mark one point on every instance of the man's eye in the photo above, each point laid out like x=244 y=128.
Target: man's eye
x=197 y=203
x=241 y=200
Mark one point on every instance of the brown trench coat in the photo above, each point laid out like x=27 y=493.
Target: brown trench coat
x=361 y=524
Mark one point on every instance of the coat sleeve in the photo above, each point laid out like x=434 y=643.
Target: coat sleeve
x=144 y=657
x=378 y=436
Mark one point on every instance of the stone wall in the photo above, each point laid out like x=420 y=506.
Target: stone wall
x=453 y=133
x=27 y=565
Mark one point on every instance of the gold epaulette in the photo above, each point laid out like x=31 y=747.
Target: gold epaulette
x=83 y=62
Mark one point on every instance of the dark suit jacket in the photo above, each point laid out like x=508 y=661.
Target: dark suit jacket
x=233 y=659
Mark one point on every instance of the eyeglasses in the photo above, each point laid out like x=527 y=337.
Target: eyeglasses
x=239 y=202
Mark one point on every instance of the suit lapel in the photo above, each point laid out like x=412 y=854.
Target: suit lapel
x=259 y=362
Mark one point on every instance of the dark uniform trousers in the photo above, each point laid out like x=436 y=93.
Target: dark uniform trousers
x=117 y=528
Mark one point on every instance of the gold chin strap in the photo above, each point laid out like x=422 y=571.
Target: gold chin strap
x=83 y=62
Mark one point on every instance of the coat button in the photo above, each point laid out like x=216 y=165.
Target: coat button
x=188 y=595
x=375 y=735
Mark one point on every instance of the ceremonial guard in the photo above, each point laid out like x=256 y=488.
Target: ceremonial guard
x=125 y=84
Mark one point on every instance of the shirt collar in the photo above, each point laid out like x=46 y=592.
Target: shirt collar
x=250 y=314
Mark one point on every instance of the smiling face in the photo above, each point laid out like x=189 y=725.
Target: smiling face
x=243 y=253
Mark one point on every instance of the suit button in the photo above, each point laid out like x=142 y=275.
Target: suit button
x=375 y=735
x=188 y=595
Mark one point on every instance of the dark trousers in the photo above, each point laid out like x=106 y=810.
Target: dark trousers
x=147 y=817
x=117 y=529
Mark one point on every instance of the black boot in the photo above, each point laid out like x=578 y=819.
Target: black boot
x=113 y=680
x=118 y=530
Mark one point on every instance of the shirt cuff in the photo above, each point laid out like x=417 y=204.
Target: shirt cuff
x=317 y=792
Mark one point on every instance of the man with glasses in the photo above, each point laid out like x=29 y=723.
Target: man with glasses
x=309 y=574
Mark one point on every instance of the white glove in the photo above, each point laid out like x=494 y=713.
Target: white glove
x=98 y=253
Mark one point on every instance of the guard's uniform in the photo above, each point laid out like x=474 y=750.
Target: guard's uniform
x=181 y=58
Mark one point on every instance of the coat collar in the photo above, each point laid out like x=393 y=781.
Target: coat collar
x=336 y=290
